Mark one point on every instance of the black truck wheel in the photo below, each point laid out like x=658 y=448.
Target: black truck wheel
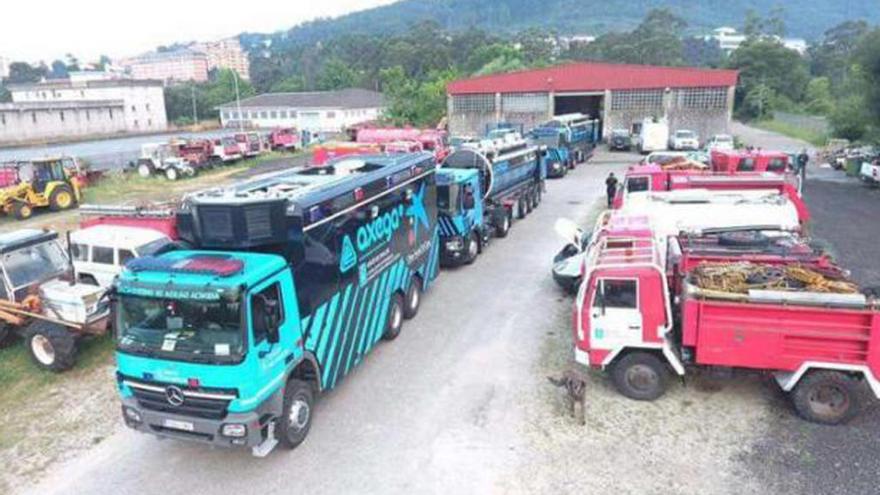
x=51 y=346
x=826 y=397
x=22 y=210
x=395 y=318
x=5 y=334
x=745 y=238
x=296 y=417
x=502 y=224
x=472 y=248
x=640 y=376
x=413 y=298
x=62 y=198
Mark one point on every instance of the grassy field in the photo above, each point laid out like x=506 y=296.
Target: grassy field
x=817 y=139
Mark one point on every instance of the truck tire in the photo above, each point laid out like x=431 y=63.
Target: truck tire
x=62 y=198
x=826 y=397
x=145 y=169
x=172 y=174
x=296 y=417
x=640 y=376
x=413 y=298
x=502 y=224
x=395 y=318
x=472 y=249
x=22 y=210
x=51 y=346
x=533 y=199
x=5 y=334
x=521 y=208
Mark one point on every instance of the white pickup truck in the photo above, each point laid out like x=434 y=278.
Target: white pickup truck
x=870 y=172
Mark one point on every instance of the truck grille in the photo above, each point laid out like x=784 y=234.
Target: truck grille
x=200 y=403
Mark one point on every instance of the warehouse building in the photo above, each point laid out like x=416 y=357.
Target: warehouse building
x=618 y=95
x=316 y=111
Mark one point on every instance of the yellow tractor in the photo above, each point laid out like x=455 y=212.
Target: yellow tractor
x=42 y=183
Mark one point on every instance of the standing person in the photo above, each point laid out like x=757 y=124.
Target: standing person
x=611 y=188
x=802 y=160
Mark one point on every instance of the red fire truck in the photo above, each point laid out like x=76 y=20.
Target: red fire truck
x=734 y=161
x=285 y=138
x=641 y=316
x=432 y=140
x=325 y=152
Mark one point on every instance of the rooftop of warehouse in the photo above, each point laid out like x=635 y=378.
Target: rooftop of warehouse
x=594 y=76
x=343 y=98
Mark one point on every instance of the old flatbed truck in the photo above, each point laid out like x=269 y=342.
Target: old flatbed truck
x=297 y=277
x=630 y=321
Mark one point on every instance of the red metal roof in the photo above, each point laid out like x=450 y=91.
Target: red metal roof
x=592 y=76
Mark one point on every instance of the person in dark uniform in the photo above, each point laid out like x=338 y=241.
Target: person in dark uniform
x=802 y=160
x=611 y=188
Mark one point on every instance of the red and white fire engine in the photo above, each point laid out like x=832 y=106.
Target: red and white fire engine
x=432 y=140
x=640 y=316
x=284 y=138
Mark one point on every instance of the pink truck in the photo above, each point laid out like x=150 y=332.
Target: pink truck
x=284 y=139
x=642 y=316
x=432 y=140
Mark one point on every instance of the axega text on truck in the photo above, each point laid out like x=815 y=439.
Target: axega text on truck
x=296 y=278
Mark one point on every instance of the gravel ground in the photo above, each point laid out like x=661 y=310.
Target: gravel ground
x=795 y=456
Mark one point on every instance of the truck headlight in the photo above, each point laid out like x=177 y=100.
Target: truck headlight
x=454 y=245
x=234 y=430
x=132 y=415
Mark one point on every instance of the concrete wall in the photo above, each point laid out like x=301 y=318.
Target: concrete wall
x=19 y=126
x=313 y=119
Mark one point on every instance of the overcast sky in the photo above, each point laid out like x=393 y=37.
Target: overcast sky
x=34 y=30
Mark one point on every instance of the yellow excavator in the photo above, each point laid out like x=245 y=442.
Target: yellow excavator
x=40 y=183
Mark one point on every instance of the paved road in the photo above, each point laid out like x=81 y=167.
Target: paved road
x=798 y=457
x=438 y=410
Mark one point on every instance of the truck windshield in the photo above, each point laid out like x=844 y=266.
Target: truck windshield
x=447 y=197
x=34 y=264
x=551 y=141
x=182 y=329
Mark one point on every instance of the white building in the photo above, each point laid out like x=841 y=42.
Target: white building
x=318 y=111
x=4 y=67
x=67 y=108
x=729 y=40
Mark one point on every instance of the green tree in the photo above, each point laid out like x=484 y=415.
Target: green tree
x=336 y=74
x=292 y=84
x=817 y=98
x=753 y=25
x=850 y=119
x=5 y=95
x=867 y=56
x=766 y=63
x=411 y=102
x=22 y=72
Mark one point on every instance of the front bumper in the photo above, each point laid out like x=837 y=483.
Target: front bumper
x=555 y=169
x=199 y=430
x=452 y=257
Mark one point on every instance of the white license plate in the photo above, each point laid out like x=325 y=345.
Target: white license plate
x=178 y=425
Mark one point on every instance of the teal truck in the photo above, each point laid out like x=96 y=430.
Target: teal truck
x=294 y=279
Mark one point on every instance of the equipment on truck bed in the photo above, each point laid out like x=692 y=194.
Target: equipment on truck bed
x=744 y=276
x=51 y=183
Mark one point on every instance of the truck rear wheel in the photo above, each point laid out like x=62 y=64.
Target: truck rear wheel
x=395 y=318
x=51 y=346
x=145 y=170
x=296 y=417
x=640 y=376
x=62 y=198
x=413 y=298
x=502 y=224
x=826 y=397
x=171 y=173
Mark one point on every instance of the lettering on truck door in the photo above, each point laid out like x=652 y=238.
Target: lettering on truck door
x=615 y=318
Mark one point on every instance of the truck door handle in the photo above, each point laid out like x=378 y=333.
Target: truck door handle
x=635 y=327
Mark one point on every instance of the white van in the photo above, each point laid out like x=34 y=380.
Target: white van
x=99 y=252
x=653 y=135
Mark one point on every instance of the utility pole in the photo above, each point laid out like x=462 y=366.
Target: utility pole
x=195 y=109
x=238 y=103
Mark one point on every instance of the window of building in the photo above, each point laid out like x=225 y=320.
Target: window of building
x=650 y=99
x=34 y=117
x=702 y=98
x=133 y=108
x=136 y=123
x=88 y=115
x=148 y=107
x=484 y=103
x=82 y=93
x=273 y=114
x=111 y=114
x=3 y=118
x=264 y=114
x=293 y=114
x=331 y=115
x=524 y=102
x=235 y=115
x=149 y=122
x=61 y=114
x=283 y=114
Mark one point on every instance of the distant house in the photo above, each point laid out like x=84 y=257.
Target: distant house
x=317 y=111
x=729 y=40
